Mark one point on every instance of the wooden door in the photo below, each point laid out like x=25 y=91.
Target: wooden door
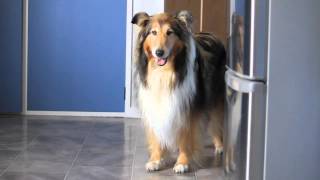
x=208 y=15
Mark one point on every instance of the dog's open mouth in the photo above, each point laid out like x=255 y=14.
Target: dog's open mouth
x=161 y=61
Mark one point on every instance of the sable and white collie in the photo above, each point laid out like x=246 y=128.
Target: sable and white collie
x=180 y=88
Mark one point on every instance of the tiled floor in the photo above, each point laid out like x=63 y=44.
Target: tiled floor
x=80 y=148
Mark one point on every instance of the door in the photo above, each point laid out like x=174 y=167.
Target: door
x=208 y=15
x=10 y=56
x=244 y=128
x=76 y=55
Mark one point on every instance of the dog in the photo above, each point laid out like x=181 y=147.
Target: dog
x=179 y=78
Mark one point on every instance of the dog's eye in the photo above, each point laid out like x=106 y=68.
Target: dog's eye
x=169 y=32
x=154 y=32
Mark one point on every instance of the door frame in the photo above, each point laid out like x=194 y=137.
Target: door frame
x=130 y=109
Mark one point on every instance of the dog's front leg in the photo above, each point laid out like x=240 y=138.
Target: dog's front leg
x=157 y=153
x=183 y=161
x=185 y=151
x=190 y=147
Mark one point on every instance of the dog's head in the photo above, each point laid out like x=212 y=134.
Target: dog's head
x=163 y=36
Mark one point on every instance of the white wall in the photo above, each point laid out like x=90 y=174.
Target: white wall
x=148 y=6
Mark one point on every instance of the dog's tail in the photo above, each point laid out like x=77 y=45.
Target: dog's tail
x=212 y=44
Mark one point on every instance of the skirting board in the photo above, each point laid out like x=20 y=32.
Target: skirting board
x=76 y=113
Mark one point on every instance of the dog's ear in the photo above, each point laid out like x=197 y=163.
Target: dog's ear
x=185 y=17
x=141 y=19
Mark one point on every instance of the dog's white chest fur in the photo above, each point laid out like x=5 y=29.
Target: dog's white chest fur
x=165 y=112
x=164 y=109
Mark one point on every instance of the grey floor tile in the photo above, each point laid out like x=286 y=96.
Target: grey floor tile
x=81 y=133
x=110 y=126
x=19 y=146
x=95 y=141
x=4 y=164
x=211 y=173
x=112 y=136
x=45 y=167
x=16 y=136
x=8 y=123
x=124 y=148
x=140 y=158
x=61 y=128
x=69 y=124
x=116 y=158
x=2 y=171
x=3 y=147
x=53 y=154
x=104 y=140
x=115 y=131
x=99 y=173
x=30 y=176
x=58 y=141
x=8 y=154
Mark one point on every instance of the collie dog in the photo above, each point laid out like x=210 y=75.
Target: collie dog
x=180 y=88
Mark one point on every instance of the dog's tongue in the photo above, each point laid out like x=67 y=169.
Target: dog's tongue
x=161 y=61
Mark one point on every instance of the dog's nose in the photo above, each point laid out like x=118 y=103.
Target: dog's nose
x=159 y=52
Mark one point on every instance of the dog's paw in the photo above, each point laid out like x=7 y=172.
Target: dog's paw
x=181 y=168
x=230 y=167
x=154 y=165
